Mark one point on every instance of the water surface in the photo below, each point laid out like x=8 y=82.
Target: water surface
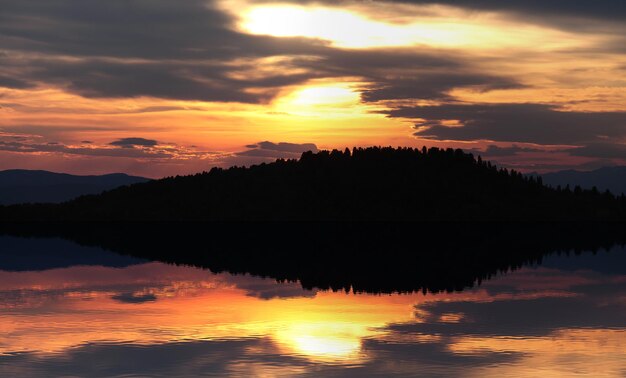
x=70 y=310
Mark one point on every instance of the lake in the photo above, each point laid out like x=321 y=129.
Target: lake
x=81 y=310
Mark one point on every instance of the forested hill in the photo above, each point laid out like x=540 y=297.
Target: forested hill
x=362 y=184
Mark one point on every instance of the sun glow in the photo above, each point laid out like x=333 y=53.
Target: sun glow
x=321 y=99
x=349 y=29
x=324 y=95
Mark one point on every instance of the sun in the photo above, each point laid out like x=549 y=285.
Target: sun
x=324 y=95
x=320 y=99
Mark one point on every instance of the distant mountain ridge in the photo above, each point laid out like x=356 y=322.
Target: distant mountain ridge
x=611 y=178
x=35 y=186
x=363 y=184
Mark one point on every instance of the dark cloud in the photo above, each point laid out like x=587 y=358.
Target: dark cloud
x=407 y=73
x=433 y=86
x=493 y=150
x=530 y=123
x=132 y=142
x=266 y=152
x=150 y=150
x=158 y=109
x=36 y=147
x=175 y=359
x=134 y=298
x=606 y=150
x=184 y=81
x=190 y=80
x=138 y=48
x=10 y=82
x=191 y=51
x=287 y=147
x=158 y=29
x=553 y=165
x=609 y=9
x=519 y=317
x=277 y=150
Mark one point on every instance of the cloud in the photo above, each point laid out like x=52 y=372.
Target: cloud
x=285 y=147
x=614 y=10
x=606 y=150
x=132 y=148
x=610 y=10
x=9 y=82
x=529 y=123
x=187 y=50
x=192 y=51
x=399 y=73
x=434 y=86
x=266 y=152
x=495 y=151
x=132 y=142
x=269 y=151
x=173 y=359
x=34 y=147
x=134 y=298
x=190 y=29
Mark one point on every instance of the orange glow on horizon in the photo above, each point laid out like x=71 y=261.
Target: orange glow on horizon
x=302 y=100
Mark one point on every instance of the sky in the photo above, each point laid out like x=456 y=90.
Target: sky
x=161 y=87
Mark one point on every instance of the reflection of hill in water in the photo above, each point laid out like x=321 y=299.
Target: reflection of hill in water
x=55 y=253
x=364 y=257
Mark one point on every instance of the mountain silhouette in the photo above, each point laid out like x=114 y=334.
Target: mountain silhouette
x=606 y=178
x=363 y=184
x=26 y=186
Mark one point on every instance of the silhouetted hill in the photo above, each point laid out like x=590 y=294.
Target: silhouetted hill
x=611 y=178
x=362 y=184
x=25 y=186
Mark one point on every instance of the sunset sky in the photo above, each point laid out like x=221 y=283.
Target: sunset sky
x=162 y=87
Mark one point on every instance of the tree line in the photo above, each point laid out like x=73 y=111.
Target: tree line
x=374 y=183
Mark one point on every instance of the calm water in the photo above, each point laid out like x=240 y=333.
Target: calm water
x=67 y=310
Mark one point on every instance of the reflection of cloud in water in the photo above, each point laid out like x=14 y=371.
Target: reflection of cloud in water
x=167 y=320
x=134 y=297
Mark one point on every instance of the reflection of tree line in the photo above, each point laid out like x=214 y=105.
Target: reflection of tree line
x=363 y=257
x=362 y=184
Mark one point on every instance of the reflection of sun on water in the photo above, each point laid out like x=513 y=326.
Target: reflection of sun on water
x=326 y=328
x=324 y=341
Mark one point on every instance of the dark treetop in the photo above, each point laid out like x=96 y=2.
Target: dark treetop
x=362 y=184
